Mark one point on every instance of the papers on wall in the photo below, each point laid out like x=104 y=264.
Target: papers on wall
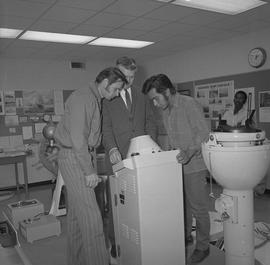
x=10 y=102
x=27 y=132
x=264 y=106
x=11 y=120
x=38 y=101
x=56 y=118
x=11 y=142
x=4 y=142
x=39 y=127
x=215 y=98
x=16 y=141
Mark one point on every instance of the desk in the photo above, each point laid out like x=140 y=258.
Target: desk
x=15 y=158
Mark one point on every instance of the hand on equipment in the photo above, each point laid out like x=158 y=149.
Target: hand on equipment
x=183 y=157
x=92 y=180
x=115 y=156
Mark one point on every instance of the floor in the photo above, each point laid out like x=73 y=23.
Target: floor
x=36 y=253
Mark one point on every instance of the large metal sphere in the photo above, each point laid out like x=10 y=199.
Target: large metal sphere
x=48 y=131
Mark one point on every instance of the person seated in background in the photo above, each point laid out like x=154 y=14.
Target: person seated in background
x=236 y=116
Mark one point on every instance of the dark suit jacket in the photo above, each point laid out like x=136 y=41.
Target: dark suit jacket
x=119 y=126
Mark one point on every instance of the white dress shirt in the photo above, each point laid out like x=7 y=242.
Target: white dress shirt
x=122 y=94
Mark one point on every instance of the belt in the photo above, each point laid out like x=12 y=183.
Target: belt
x=90 y=149
x=65 y=146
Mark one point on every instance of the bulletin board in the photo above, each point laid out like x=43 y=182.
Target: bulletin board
x=259 y=80
x=22 y=113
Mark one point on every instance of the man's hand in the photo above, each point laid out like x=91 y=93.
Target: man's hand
x=183 y=157
x=115 y=156
x=92 y=180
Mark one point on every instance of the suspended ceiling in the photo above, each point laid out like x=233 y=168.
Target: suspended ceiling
x=172 y=28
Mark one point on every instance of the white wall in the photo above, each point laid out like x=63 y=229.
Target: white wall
x=220 y=59
x=38 y=74
x=223 y=58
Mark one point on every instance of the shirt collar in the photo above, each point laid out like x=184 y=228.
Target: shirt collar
x=122 y=92
x=173 y=100
x=94 y=89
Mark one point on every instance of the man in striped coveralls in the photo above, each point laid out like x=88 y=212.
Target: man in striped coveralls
x=77 y=133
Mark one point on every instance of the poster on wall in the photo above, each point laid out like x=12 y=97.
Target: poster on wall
x=215 y=98
x=264 y=106
x=38 y=101
x=2 y=112
x=10 y=102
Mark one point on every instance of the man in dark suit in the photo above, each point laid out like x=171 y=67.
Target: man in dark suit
x=124 y=118
x=127 y=116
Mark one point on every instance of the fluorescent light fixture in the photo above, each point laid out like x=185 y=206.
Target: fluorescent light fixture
x=9 y=33
x=230 y=7
x=123 y=43
x=55 y=37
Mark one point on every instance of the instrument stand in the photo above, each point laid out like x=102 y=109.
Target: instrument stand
x=55 y=209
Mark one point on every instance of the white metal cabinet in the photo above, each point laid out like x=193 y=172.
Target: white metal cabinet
x=148 y=211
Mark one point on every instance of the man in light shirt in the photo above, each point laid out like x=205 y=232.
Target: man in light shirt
x=186 y=128
x=236 y=116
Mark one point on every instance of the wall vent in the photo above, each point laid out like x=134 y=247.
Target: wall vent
x=77 y=65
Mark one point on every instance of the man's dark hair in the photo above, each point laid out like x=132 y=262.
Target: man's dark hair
x=160 y=82
x=243 y=93
x=113 y=74
x=126 y=62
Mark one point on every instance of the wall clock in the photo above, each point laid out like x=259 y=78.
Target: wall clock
x=257 y=57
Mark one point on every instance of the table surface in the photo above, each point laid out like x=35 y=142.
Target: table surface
x=12 y=154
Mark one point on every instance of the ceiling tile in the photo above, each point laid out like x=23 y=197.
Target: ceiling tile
x=96 y=5
x=202 y=18
x=52 y=26
x=15 y=22
x=231 y=22
x=172 y=28
x=126 y=34
x=108 y=19
x=177 y=28
x=157 y=36
x=63 y=13
x=4 y=43
x=91 y=30
x=132 y=8
x=145 y=23
x=23 y=8
x=171 y=12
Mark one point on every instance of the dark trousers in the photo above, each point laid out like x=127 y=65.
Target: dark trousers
x=196 y=205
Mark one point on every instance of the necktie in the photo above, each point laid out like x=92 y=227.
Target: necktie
x=128 y=100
